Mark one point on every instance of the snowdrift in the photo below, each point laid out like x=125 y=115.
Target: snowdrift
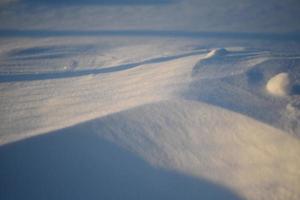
x=153 y=151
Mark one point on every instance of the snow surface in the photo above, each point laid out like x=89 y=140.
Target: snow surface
x=152 y=99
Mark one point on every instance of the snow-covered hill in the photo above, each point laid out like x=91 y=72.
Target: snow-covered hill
x=152 y=99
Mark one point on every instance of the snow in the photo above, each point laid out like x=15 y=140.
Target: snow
x=149 y=99
x=176 y=136
x=210 y=142
x=216 y=52
x=279 y=85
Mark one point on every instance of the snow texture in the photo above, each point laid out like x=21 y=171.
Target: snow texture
x=149 y=99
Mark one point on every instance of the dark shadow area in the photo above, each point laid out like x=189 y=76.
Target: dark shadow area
x=75 y=163
x=49 y=52
x=151 y=33
x=70 y=74
x=31 y=51
x=42 y=57
x=295 y=89
x=255 y=76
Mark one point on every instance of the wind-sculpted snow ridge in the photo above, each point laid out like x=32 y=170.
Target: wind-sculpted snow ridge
x=243 y=81
x=69 y=73
x=178 y=138
x=221 y=63
x=62 y=55
x=210 y=142
x=232 y=78
x=154 y=110
x=78 y=163
x=34 y=107
x=149 y=99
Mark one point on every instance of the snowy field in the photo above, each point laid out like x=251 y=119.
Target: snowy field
x=150 y=99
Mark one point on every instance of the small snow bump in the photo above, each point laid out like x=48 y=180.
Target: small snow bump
x=279 y=85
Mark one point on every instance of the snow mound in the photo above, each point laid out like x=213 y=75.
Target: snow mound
x=193 y=139
x=251 y=158
x=75 y=163
x=279 y=85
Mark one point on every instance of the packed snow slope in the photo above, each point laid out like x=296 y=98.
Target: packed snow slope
x=152 y=99
x=154 y=111
x=180 y=139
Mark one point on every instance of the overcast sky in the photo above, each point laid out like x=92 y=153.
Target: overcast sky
x=191 y=15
